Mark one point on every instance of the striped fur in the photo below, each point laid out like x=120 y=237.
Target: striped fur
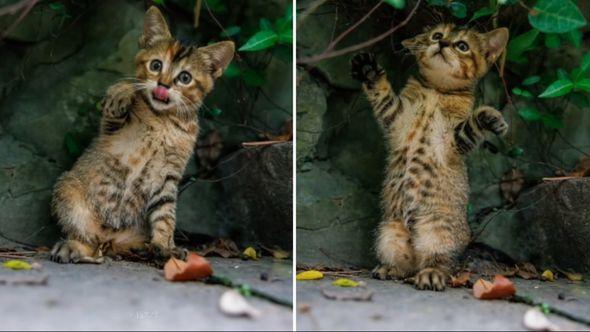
x=121 y=193
x=428 y=127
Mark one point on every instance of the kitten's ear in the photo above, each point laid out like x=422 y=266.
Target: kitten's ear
x=155 y=28
x=496 y=43
x=217 y=56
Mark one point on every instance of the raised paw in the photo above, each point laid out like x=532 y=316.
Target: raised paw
x=71 y=251
x=383 y=272
x=118 y=99
x=364 y=68
x=492 y=120
x=431 y=279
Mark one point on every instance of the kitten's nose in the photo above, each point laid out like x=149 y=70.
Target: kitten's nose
x=443 y=43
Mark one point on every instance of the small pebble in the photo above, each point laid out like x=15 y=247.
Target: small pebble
x=264 y=276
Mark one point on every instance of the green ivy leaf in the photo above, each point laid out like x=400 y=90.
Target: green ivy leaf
x=265 y=24
x=552 y=40
x=231 y=31
x=523 y=93
x=583 y=84
x=57 y=6
x=520 y=44
x=558 y=88
x=531 y=80
x=216 y=6
x=485 y=11
x=253 y=78
x=556 y=16
x=289 y=13
x=283 y=24
x=574 y=37
x=261 y=40
x=286 y=36
x=458 y=9
x=232 y=71
x=562 y=74
x=585 y=63
x=158 y=2
x=552 y=121
x=215 y=112
x=397 y=4
x=529 y=114
x=515 y=152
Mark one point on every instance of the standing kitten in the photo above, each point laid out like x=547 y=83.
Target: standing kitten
x=428 y=128
x=121 y=193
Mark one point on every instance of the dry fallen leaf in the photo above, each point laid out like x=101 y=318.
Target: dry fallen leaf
x=223 y=247
x=310 y=275
x=500 y=288
x=582 y=168
x=526 y=271
x=573 y=276
x=250 y=253
x=548 y=276
x=277 y=252
x=232 y=303
x=285 y=135
x=16 y=264
x=343 y=282
x=195 y=268
x=511 y=184
x=535 y=320
x=460 y=280
x=209 y=149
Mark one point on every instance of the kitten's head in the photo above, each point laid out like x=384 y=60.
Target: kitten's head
x=172 y=76
x=451 y=58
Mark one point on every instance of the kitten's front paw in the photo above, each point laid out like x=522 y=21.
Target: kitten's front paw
x=383 y=272
x=364 y=68
x=118 y=99
x=492 y=120
x=431 y=279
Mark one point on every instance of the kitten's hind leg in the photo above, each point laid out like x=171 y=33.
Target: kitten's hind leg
x=438 y=242
x=74 y=251
x=395 y=252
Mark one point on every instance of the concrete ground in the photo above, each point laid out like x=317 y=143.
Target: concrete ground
x=396 y=306
x=133 y=296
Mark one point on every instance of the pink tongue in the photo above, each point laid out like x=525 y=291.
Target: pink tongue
x=161 y=93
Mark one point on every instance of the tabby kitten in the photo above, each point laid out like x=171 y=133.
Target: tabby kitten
x=121 y=193
x=429 y=127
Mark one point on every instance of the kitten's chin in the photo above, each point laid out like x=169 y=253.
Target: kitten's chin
x=160 y=106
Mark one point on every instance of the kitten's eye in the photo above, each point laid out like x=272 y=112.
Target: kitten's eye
x=462 y=46
x=437 y=36
x=156 y=65
x=184 y=78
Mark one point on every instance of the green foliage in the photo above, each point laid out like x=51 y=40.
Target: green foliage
x=398 y=4
x=558 y=88
x=457 y=8
x=269 y=35
x=556 y=16
x=485 y=11
x=520 y=44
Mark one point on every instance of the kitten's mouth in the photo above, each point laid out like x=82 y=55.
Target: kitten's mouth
x=161 y=94
x=440 y=52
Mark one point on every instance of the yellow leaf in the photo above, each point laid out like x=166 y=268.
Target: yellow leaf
x=17 y=265
x=280 y=254
x=250 y=253
x=574 y=276
x=343 y=282
x=547 y=276
x=310 y=275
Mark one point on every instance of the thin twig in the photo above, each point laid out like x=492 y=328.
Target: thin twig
x=332 y=54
